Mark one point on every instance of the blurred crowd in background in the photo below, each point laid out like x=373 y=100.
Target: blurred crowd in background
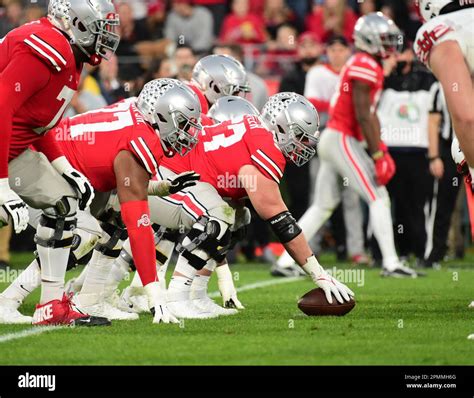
x=289 y=45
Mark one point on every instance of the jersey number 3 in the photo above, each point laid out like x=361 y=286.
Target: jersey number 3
x=224 y=140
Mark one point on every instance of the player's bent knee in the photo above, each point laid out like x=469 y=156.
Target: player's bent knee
x=209 y=235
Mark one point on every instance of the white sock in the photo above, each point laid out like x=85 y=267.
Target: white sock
x=311 y=221
x=165 y=247
x=98 y=270
x=117 y=273
x=53 y=265
x=381 y=222
x=182 y=283
x=26 y=282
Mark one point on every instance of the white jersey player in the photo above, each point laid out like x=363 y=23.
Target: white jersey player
x=448 y=34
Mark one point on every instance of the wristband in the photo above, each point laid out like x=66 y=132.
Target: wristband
x=377 y=155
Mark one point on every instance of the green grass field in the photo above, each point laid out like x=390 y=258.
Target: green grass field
x=403 y=322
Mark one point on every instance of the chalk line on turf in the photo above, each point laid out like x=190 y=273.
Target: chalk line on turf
x=28 y=332
x=251 y=286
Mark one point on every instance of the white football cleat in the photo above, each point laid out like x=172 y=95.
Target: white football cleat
x=101 y=308
x=471 y=305
x=208 y=305
x=183 y=307
x=9 y=313
x=470 y=337
x=134 y=299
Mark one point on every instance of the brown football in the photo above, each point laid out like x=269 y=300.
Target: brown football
x=314 y=303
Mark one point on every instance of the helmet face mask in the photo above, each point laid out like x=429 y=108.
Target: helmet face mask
x=174 y=112
x=91 y=25
x=107 y=39
x=299 y=146
x=183 y=137
x=295 y=123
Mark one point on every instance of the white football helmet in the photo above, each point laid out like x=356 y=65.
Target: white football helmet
x=295 y=122
x=220 y=75
x=231 y=108
x=377 y=35
x=431 y=8
x=89 y=24
x=174 y=111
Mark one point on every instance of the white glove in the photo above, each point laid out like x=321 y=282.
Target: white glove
x=157 y=299
x=227 y=288
x=15 y=208
x=327 y=282
x=76 y=179
x=180 y=182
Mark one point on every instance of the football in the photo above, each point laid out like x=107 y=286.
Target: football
x=314 y=303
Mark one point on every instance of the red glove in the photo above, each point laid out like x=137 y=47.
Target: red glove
x=384 y=166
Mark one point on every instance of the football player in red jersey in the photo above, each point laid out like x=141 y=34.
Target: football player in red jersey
x=120 y=147
x=352 y=120
x=217 y=76
x=239 y=158
x=40 y=66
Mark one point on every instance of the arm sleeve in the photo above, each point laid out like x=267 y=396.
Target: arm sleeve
x=136 y=216
x=49 y=146
x=17 y=85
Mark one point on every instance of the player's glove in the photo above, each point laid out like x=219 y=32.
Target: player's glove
x=14 y=206
x=180 y=182
x=77 y=180
x=330 y=285
x=227 y=288
x=384 y=165
x=157 y=302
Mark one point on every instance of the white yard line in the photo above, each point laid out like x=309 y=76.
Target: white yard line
x=265 y=283
x=27 y=332
x=251 y=286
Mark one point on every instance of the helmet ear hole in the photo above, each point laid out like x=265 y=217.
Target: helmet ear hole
x=280 y=129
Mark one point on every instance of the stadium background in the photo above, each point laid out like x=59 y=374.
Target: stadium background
x=165 y=38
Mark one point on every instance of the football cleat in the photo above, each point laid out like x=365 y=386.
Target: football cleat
x=9 y=313
x=208 y=305
x=102 y=308
x=401 y=271
x=63 y=312
x=181 y=306
x=471 y=305
x=288 y=271
x=201 y=300
x=360 y=259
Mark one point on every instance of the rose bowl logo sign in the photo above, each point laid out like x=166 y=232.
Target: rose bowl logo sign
x=144 y=221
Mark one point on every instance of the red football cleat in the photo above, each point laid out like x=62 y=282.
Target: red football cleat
x=62 y=312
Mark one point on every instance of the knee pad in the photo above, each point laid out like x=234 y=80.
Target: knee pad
x=163 y=233
x=60 y=235
x=111 y=242
x=208 y=234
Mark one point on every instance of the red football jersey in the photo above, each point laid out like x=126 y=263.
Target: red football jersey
x=222 y=151
x=92 y=141
x=362 y=67
x=44 y=55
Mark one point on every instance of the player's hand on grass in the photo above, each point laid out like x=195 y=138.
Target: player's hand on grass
x=329 y=284
x=77 y=180
x=227 y=288
x=180 y=182
x=14 y=206
x=162 y=314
